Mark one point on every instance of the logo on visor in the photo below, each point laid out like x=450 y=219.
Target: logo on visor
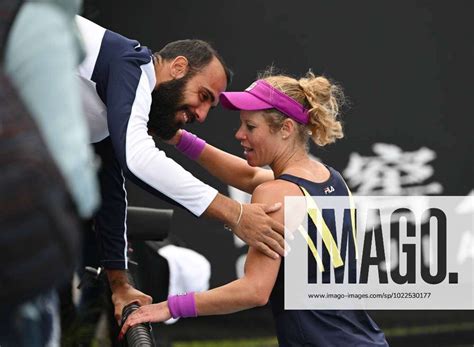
x=250 y=87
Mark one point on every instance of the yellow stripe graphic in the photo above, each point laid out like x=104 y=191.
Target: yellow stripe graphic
x=321 y=226
x=312 y=247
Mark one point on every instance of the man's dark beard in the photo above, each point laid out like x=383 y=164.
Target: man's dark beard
x=167 y=99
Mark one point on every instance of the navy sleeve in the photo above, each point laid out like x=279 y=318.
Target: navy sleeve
x=110 y=220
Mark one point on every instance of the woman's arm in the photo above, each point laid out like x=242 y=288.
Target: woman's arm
x=253 y=289
x=228 y=168
x=260 y=272
x=233 y=170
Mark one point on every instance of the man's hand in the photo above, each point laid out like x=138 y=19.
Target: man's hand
x=123 y=293
x=259 y=230
x=255 y=227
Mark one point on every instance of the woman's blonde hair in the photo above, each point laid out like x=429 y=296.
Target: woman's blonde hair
x=323 y=100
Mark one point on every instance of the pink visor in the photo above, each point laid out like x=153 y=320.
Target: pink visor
x=262 y=96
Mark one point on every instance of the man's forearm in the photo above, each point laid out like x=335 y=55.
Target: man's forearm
x=123 y=292
x=117 y=278
x=224 y=209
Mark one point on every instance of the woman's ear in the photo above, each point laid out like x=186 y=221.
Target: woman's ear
x=287 y=128
x=179 y=67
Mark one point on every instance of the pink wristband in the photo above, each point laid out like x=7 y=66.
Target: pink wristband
x=182 y=305
x=190 y=145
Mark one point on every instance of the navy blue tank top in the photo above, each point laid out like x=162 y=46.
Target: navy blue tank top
x=326 y=328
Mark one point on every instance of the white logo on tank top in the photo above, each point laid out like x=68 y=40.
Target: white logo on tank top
x=328 y=190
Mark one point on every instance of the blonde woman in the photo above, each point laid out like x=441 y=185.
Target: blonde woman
x=279 y=115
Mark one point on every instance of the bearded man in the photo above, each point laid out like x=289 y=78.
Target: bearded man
x=129 y=94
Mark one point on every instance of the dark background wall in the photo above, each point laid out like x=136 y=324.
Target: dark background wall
x=406 y=67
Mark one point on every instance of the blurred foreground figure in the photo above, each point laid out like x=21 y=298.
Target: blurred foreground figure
x=47 y=179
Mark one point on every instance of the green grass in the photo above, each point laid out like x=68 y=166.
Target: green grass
x=429 y=329
x=391 y=332
x=261 y=342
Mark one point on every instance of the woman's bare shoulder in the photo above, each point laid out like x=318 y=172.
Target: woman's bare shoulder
x=275 y=191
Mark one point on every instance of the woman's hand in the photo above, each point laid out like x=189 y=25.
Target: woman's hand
x=147 y=313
